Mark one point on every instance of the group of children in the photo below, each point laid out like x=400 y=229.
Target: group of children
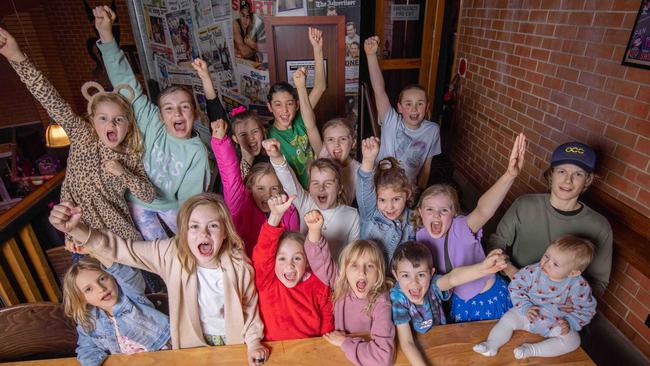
x=320 y=267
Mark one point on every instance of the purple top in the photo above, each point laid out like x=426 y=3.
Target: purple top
x=464 y=249
x=246 y=216
x=350 y=315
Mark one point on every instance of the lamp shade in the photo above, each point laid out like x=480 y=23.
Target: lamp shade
x=55 y=136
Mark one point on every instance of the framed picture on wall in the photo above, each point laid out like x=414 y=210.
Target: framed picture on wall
x=637 y=52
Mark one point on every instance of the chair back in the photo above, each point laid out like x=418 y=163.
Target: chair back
x=60 y=260
x=36 y=330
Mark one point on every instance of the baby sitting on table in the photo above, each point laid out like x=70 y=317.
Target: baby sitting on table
x=541 y=294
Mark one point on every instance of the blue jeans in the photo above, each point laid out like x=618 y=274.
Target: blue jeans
x=149 y=223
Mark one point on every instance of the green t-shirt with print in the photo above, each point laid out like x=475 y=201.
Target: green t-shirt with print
x=295 y=146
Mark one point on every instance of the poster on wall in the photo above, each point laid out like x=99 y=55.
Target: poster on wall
x=221 y=9
x=253 y=84
x=292 y=8
x=637 y=52
x=156 y=25
x=351 y=10
x=202 y=13
x=174 y=5
x=162 y=66
x=292 y=65
x=249 y=36
x=181 y=32
x=213 y=43
x=232 y=100
x=230 y=36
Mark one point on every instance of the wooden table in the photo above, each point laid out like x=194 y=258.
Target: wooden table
x=444 y=345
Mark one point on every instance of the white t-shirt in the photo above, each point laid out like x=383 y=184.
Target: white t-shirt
x=211 y=304
x=348 y=176
x=341 y=223
x=410 y=147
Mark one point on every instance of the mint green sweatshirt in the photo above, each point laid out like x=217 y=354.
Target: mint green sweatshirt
x=178 y=168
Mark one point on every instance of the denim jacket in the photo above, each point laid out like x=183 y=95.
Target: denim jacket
x=374 y=225
x=136 y=318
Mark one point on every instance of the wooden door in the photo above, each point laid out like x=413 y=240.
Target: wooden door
x=410 y=33
x=288 y=41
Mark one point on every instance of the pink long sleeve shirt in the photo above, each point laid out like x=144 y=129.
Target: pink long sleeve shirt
x=350 y=315
x=246 y=216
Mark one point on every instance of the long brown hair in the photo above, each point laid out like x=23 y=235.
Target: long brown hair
x=133 y=139
x=232 y=244
x=74 y=302
x=389 y=174
x=257 y=171
x=349 y=254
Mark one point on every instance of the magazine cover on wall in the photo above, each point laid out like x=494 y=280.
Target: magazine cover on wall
x=221 y=9
x=351 y=9
x=215 y=51
x=293 y=8
x=181 y=32
x=638 y=47
x=249 y=37
x=202 y=13
x=232 y=100
x=253 y=84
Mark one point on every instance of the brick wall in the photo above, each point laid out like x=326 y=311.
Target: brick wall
x=552 y=69
x=54 y=35
x=626 y=303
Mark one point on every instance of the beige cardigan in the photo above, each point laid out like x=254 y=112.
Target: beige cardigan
x=243 y=322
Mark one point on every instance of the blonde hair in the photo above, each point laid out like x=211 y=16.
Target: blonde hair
x=350 y=254
x=335 y=167
x=338 y=122
x=434 y=190
x=74 y=301
x=412 y=87
x=389 y=174
x=133 y=139
x=232 y=244
x=581 y=250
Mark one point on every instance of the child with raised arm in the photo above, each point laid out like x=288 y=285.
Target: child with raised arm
x=247 y=200
x=455 y=240
x=297 y=131
x=175 y=160
x=361 y=302
x=407 y=135
x=382 y=195
x=106 y=300
x=325 y=194
x=248 y=129
x=418 y=294
x=105 y=153
x=213 y=105
x=294 y=303
x=338 y=141
x=541 y=293
x=212 y=295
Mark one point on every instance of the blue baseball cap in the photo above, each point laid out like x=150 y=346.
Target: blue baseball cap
x=575 y=153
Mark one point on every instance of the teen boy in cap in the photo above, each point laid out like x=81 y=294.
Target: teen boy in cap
x=534 y=220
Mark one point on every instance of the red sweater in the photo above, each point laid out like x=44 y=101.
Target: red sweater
x=288 y=313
